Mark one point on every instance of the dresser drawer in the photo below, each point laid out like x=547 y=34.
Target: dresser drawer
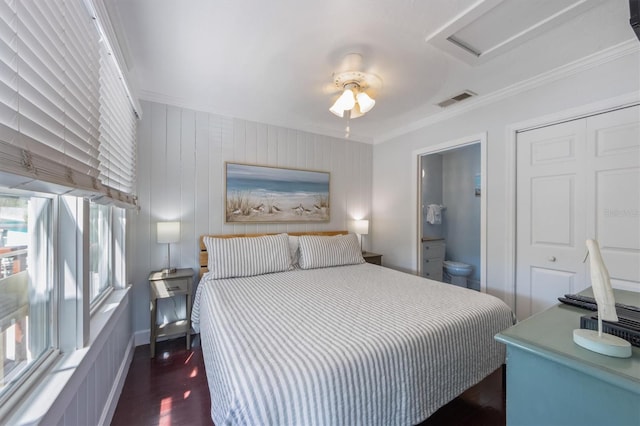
x=432 y=269
x=433 y=249
x=166 y=288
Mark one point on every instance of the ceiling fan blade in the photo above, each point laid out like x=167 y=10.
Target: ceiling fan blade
x=331 y=89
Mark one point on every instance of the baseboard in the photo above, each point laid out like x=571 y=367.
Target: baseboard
x=118 y=384
x=142 y=337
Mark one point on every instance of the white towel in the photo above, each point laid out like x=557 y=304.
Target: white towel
x=434 y=214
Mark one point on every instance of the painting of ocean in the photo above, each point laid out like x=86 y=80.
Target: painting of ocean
x=272 y=194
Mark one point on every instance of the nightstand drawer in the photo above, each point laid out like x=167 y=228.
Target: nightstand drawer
x=167 y=288
x=373 y=258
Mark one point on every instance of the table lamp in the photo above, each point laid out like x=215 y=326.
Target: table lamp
x=168 y=232
x=360 y=227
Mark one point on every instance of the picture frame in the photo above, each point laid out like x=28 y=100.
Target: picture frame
x=268 y=194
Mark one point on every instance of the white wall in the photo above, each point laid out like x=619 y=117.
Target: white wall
x=393 y=214
x=181 y=156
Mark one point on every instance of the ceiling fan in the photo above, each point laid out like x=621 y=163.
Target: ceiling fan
x=355 y=87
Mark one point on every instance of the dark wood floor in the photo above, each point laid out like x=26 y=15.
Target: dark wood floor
x=172 y=390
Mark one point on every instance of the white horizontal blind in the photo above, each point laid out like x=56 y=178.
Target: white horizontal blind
x=117 y=130
x=49 y=119
x=82 y=85
x=11 y=157
x=65 y=114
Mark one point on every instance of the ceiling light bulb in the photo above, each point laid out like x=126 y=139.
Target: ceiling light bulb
x=365 y=102
x=347 y=100
x=355 y=112
x=336 y=109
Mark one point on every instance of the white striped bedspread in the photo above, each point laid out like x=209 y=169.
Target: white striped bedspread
x=348 y=345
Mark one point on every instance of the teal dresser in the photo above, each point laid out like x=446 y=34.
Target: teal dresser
x=553 y=381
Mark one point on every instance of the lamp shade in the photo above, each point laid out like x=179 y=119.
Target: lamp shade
x=365 y=102
x=360 y=227
x=335 y=109
x=168 y=232
x=345 y=102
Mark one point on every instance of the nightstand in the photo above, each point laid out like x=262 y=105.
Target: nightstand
x=374 y=258
x=162 y=286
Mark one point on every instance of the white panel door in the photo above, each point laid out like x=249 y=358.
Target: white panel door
x=550 y=221
x=577 y=180
x=613 y=155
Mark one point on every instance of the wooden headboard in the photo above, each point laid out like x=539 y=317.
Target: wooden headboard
x=203 y=250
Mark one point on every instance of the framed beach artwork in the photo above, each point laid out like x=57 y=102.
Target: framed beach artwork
x=263 y=194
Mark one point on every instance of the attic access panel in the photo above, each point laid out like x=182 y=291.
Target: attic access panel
x=490 y=28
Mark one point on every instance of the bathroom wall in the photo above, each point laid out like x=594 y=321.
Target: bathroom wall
x=431 y=191
x=461 y=219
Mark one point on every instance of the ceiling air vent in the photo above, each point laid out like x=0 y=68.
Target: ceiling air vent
x=457 y=98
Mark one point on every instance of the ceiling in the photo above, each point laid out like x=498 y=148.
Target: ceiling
x=272 y=61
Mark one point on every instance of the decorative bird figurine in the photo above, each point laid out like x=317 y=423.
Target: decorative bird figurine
x=601 y=283
x=597 y=341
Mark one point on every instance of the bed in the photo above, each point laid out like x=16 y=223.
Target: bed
x=332 y=340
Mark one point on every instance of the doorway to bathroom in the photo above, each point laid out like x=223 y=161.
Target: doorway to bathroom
x=451 y=212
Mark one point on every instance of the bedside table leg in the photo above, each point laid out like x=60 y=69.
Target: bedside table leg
x=152 y=331
x=188 y=320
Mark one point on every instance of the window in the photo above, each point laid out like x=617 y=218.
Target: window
x=25 y=287
x=106 y=250
x=67 y=125
x=100 y=250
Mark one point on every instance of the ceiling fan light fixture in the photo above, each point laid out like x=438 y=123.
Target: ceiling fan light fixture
x=356 y=112
x=365 y=102
x=335 y=109
x=347 y=100
x=354 y=85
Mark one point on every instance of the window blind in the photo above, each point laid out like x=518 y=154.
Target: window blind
x=65 y=116
x=50 y=92
x=117 y=130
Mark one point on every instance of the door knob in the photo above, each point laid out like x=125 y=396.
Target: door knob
x=552 y=259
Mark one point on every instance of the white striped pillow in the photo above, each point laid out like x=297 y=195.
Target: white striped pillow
x=244 y=257
x=322 y=252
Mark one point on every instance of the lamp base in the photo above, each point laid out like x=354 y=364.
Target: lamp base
x=168 y=271
x=606 y=344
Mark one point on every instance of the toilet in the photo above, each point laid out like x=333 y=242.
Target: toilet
x=458 y=272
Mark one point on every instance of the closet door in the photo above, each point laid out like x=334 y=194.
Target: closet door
x=613 y=209
x=577 y=180
x=550 y=215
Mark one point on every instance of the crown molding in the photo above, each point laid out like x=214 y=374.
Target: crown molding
x=610 y=54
